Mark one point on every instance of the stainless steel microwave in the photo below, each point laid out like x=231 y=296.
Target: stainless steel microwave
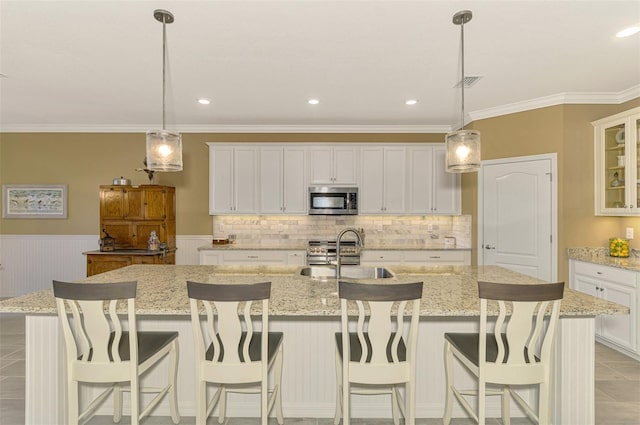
x=333 y=200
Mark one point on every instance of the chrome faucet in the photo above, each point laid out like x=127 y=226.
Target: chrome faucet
x=338 y=254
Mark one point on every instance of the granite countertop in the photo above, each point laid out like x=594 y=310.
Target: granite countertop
x=280 y=246
x=448 y=291
x=601 y=256
x=303 y=246
x=128 y=252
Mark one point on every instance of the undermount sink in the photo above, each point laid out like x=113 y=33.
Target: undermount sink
x=350 y=272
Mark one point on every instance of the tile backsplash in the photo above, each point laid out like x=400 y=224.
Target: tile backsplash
x=379 y=230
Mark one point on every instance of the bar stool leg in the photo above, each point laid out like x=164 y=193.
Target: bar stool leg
x=174 y=354
x=448 y=405
x=278 y=373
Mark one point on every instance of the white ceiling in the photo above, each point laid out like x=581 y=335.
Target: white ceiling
x=97 y=65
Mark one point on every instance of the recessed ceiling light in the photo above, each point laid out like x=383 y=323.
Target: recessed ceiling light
x=313 y=101
x=204 y=101
x=628 y=31
x=411 y=102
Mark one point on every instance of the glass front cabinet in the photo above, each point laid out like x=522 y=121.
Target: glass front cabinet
x=617 y=167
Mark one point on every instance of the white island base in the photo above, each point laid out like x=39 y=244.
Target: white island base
x=308 y=387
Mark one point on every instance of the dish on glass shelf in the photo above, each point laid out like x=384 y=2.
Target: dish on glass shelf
x=620 y=137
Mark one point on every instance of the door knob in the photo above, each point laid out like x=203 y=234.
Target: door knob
x=489 y=247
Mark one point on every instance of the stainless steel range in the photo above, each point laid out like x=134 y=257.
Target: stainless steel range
x=324 y=252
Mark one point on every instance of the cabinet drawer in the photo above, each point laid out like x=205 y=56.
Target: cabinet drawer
x=249 y=256
x=381 y=257
x=612 y=274
x=435 y=257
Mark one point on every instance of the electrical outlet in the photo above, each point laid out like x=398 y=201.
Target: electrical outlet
x=629 y=232
x=430 y=227
x=379 y=227
x=221 y=227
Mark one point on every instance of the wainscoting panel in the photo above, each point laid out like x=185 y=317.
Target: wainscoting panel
x=29 y=263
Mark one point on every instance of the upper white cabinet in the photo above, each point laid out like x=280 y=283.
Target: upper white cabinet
x=383 y=180
x=263 y=178
x=233 y=179
x=617 y=172
x=332 y=164
x=283 y=187
x=431 y=189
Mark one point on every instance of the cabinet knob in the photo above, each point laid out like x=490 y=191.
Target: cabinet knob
x=598 y=272
x=434 y=256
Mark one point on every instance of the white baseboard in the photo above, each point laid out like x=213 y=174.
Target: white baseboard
x=30 y=263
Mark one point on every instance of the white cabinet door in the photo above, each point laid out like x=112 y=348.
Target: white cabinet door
x=221 y=180
x=432 y=190
x=283 y=186
x=321 y=164
x=233 y=180
x=294 y=180
x=371 y=189
x=446 y=186
x=209 y=258
x=271 y=175
x=420 y=180
x=344 y=165
x=620 y=329
x=383 y=180
x=395 y=178
x=616 y=164
x=246 y=180
x=591 y=287
x=332 y=164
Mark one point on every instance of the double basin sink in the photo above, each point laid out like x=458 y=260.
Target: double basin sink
x=348 y=272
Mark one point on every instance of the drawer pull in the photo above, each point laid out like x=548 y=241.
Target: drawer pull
x=598 y=272
x=252 y=256
x=435 y=256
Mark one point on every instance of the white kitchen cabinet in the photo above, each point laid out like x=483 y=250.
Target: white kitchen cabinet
x=431 y=189
x=617 y=171
x=383 y=180
x=283 y=186
x=416 y=257
x=233 y=179
x=263 y=257
x=332 y=164
x=615 y=285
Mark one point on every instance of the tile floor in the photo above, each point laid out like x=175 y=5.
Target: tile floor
x=617 y=389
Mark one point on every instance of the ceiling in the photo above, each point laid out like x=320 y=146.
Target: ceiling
x=97 y=65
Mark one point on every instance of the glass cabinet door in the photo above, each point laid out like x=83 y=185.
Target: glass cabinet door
x=614 y=172
x=617 y=166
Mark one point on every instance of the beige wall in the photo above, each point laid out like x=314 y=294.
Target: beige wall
x=85 y=161
x=567 y=131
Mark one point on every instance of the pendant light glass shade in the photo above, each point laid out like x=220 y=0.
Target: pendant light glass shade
x=164 y=150
x=463 y=146
x=463 y=151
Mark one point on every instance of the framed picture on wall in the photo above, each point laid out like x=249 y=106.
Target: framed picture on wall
x=34 y=201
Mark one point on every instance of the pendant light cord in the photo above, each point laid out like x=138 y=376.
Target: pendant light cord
x=462 y=79
x=164 y=59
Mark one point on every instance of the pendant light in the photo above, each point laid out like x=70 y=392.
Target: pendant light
x=164 y=148
x=463 y=146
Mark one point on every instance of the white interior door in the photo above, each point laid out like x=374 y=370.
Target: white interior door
x=517 y=215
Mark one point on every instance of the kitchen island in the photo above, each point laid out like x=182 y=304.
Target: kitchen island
x=307 y=311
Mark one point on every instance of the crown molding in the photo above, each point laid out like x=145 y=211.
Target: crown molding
x=568 y=98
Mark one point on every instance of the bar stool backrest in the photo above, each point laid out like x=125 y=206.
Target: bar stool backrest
x=519 y=328
x=380 y=319
x=228 y=326
x=91 y=326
